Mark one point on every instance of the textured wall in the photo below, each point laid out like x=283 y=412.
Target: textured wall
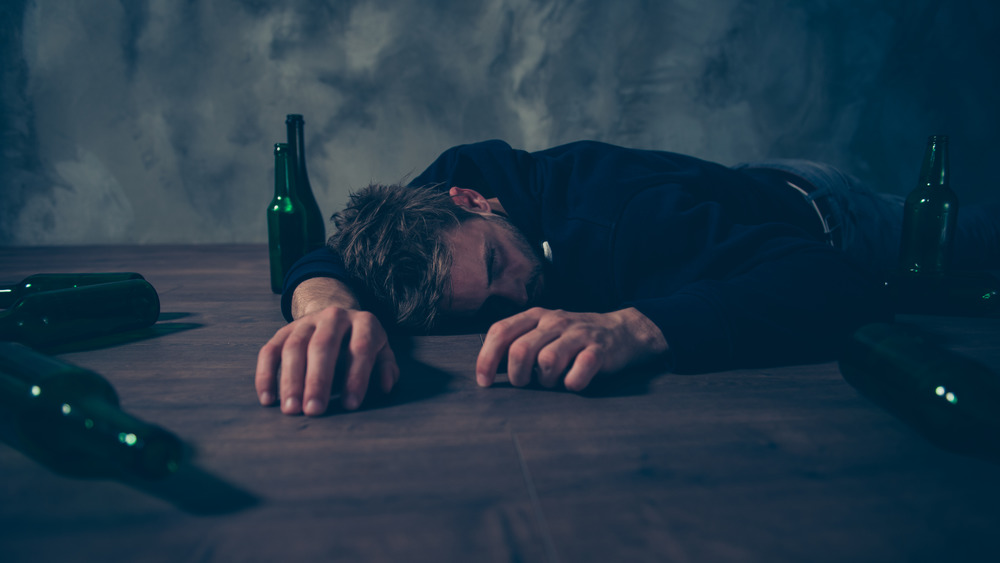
x=154 y=121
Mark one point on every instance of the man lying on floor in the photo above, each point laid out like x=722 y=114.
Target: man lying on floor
x=592 y=259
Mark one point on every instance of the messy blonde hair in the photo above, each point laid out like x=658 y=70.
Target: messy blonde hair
x=391 y=238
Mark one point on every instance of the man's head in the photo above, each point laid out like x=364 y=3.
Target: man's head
x=425 y=254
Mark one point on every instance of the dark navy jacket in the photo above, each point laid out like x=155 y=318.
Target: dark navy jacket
x=730 y=266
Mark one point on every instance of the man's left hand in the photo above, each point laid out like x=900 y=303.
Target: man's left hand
x=573 y=347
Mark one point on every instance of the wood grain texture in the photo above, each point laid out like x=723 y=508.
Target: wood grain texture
x=783 y=464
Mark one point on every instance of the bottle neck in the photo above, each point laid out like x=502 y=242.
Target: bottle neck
x=284 y=171
x=934 y=173
x=9 y=294
x=300 y=148
x=295 y=126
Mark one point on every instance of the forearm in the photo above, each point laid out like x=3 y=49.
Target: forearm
x=315 y=294
x=797 y=309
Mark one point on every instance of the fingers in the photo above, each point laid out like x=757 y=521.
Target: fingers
x=302 y=359
x=554 y=359
x=265 y=379
x=293 y=368
x=323 y=352
x=545 y=344
x=497 y=344
x=363 y=349
x=525 y=357
x=387 y=368
x=585 y=367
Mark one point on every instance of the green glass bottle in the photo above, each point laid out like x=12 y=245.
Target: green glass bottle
x=286 y=228
x=951 y=399
x=9 y=293
x=69 y=419
x=54 y=317
x=315 y=224
x=929 y=215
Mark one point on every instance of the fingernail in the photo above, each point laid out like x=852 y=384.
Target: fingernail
x=314 y=407
x=266 y=398
x=482 y=380
x=351 y=402
x=291 y=404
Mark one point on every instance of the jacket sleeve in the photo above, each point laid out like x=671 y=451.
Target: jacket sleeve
x=734 y=295
x=798 y=308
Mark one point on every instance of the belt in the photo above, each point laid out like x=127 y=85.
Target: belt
x=819 y=204
x=809 y=192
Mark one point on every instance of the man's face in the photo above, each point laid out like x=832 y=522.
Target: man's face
x=494 y=273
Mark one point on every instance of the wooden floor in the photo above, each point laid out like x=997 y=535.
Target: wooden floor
x=786 y=464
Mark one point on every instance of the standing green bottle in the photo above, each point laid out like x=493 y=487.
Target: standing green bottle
x=63 y=315
x=69 y=419
x=10 y=293
x=315 y=224
x=929 y=215
x=286 y=228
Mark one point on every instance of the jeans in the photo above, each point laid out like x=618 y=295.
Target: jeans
x=867 y=225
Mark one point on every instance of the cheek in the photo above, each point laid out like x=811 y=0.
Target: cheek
x=464 y=302
x=528 y=264
x=516 y=261
x=467 y=292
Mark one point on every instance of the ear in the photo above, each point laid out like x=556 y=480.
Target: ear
x=470 y=200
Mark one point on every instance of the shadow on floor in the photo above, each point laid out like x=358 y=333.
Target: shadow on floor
x=120 y=338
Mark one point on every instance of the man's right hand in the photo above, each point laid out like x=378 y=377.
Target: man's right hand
x=317 y=345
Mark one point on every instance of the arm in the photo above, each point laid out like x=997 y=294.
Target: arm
x=772 y=297
x=797 y=306
x=329 y=334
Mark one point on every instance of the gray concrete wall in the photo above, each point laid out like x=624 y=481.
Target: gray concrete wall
x=153 y=122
